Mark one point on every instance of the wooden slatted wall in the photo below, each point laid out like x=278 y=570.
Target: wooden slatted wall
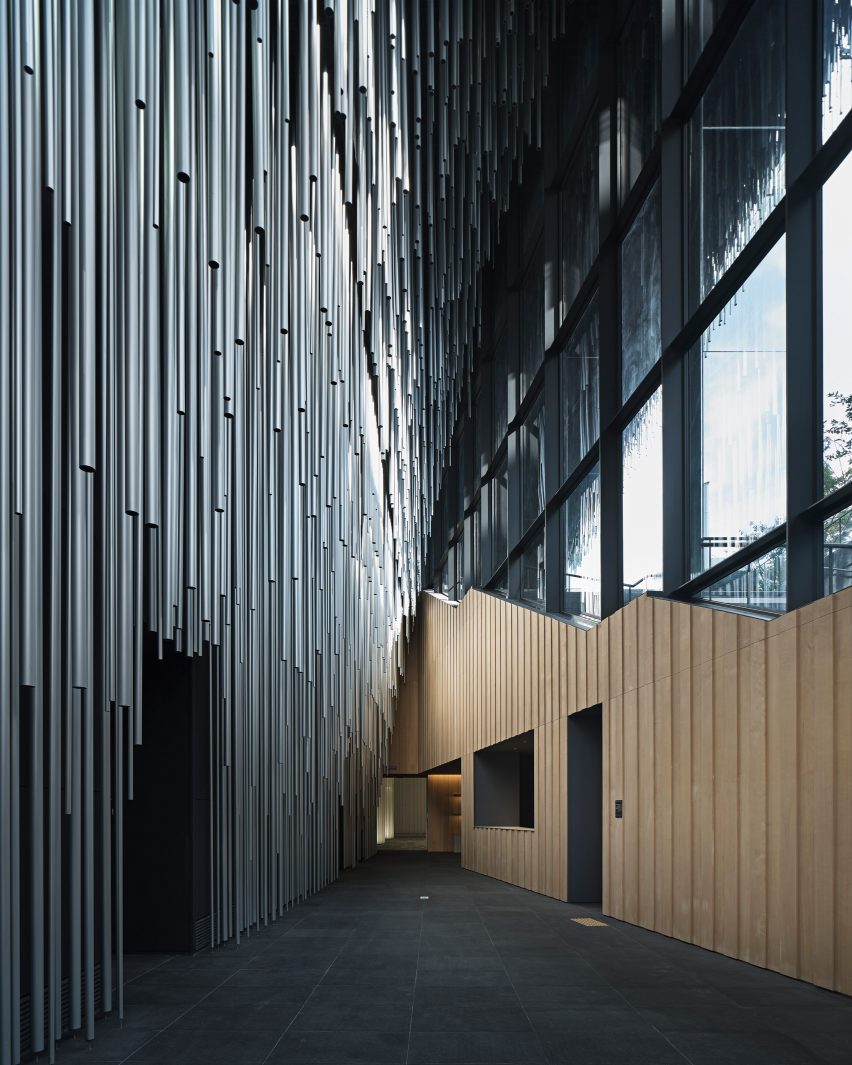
x=728 y=739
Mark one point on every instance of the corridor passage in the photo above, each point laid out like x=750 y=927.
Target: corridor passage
x=479 y=972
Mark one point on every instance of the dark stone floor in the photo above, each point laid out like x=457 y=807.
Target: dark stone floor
x=480 y=973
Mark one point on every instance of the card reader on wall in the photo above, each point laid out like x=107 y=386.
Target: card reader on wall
x=618 y=812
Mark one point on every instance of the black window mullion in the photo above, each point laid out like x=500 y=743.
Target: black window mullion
x=804 y=350
x=553 y=472
x=672 y=184
x=609 y=377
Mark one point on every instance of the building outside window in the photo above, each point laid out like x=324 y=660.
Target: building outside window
x=579 y=217
x=836 y=64
x=736 y=420
x=532 y=464
x=837 y=328
x=837 y=537
x=532 y=571
x=724 y=395
x=580 y=386
x=642 y=502
x=736 y=142
x=641 y=325
x=581 y=548
x=760 y=585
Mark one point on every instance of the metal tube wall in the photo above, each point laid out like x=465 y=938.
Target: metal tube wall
x=239 y=264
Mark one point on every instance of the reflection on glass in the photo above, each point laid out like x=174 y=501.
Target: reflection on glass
x=476 y=568
x=836 y=63
x=580 y=71
x=641 y=325
x=837 y=327
x=448 y=575
x=500 y=514
x=639 y=90
x=483 y=428
x=466 y=480
x=532 y=571
x=761 y=585
x=581 y=590
x=642 y=509
x=532 y=324
x=837 y=535
x=736 y=419
x=579 y=217
x=736 y=147
x=500 y=584
x=701 y=16
x=579 y=383
x=532 y=463
x=459 y=555
x=500 y=375
x=450 y=499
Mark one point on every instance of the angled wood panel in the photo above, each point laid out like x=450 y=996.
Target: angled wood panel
x=728 y=740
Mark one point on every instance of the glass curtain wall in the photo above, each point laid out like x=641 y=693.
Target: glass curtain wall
x=639 y=424
x=736 y=403
x=642 y=500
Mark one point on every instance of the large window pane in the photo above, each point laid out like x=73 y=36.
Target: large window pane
x=532 y=323
x=532 y=463
x=500 y=376
x=836 y=63
x=642 y=508
x=736 y=147
x=641 y=326
x=476 y=546
x=499 y=514
x=736 y=419
x=639 y=90
x=760 y=585
x=579 y=217
x=532 y=571
x=483 y=427
x=579 y=74
x=448 y=575
x=580 y=377
x=701 y=16
x=837 y=327
x=459 y=554
x=838 y=551
x=500 y=584
x=581 y=589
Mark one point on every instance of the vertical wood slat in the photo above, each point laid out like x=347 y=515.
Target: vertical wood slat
x=729 y=742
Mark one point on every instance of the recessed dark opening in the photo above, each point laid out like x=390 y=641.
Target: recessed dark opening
x=585 y=805
x=504 y=784
x=167 y=904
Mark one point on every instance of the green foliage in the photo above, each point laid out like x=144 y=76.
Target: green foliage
x=837 y=443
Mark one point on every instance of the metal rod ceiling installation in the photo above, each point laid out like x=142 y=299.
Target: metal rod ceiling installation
x=240 y=256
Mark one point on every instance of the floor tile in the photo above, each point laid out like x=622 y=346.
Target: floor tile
x=743 y=1048
x=475 y=1048
x=340 y=1048
x=483 y=972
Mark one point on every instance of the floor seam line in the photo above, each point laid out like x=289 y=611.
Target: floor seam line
x=218 y=987
x=414 y=989
x=511 y=983
x=295 y=1016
